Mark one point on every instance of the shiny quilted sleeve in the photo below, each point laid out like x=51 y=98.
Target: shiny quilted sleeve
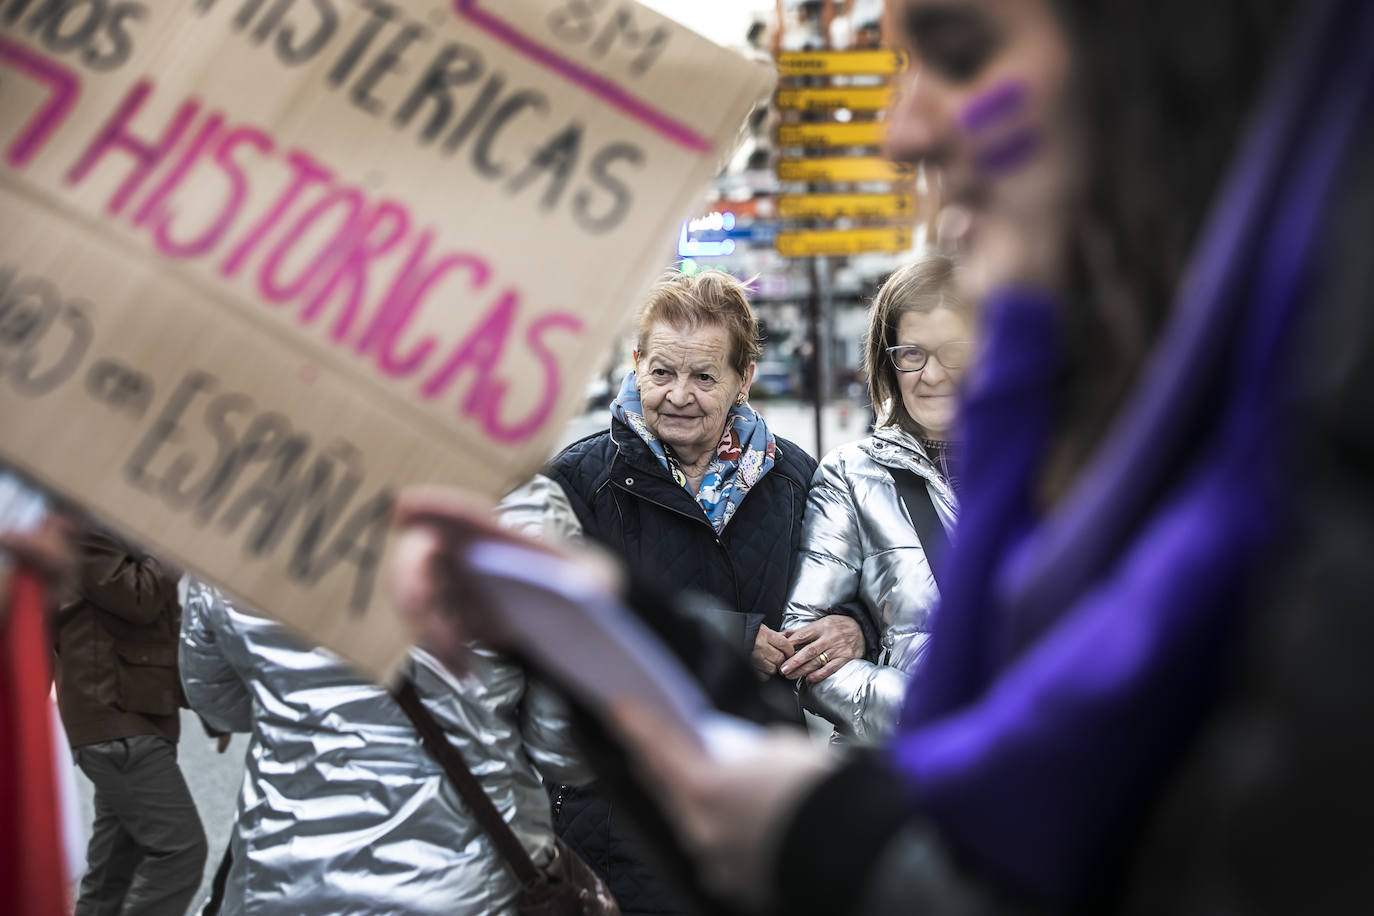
x=213 y=686
x=540 y=509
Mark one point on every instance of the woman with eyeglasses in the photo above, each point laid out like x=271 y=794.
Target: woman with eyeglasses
x=879 y=512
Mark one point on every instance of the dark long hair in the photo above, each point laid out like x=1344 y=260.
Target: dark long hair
x=1165 y=87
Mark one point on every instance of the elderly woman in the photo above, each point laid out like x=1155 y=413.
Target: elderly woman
x=862 y=543
x=694 y=492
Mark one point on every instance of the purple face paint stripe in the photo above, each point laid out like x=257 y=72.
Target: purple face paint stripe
x=1001 y=101
x=1008 y=154
x=597 y=85
x=65 y=86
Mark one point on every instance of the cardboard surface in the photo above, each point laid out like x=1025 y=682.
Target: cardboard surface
x=262 y=265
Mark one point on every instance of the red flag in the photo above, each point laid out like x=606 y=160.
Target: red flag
x=31 y=862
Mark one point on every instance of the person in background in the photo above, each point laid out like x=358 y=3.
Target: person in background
x=120 y=701
x=862 y=549
x=694 y=492
x=342 y=810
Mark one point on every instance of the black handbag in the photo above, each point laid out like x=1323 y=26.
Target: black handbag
x=567 y=886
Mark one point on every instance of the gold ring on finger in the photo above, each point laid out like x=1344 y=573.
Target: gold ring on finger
x=825 y=659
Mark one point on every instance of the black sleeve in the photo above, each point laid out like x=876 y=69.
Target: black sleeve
x=715 y=661
x=873 y=635
x=837 y=835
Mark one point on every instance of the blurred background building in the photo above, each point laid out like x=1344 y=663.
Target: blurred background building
x=809 y=170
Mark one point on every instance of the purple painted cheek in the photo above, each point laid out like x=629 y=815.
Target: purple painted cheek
x=1000 y=104
x=1001 y=141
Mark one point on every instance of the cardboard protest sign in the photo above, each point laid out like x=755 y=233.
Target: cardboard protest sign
x=264 y=263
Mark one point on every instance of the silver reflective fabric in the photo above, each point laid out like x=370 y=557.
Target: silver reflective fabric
x=858 y=545
x=342 y=810
x=540 y=509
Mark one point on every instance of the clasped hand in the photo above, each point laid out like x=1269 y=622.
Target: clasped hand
x=814 y=651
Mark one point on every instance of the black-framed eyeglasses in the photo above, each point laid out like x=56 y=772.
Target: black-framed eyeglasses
x=952 y=354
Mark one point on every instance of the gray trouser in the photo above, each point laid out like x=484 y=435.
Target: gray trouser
x=147 y=851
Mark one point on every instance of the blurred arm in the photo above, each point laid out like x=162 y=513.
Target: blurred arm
x=861 y=699
x=548 y=734
x=541 y=510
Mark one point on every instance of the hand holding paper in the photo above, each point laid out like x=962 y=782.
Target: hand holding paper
x=441 y=598
x=727 y=783
x=458 y=576
x=728 y=813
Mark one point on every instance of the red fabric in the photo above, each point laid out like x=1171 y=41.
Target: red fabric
x=31 y=867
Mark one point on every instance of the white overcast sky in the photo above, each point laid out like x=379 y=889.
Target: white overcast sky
x=724 y=21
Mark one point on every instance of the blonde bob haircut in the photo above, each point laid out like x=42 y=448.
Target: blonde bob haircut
x=710 y=298
x=922 y=286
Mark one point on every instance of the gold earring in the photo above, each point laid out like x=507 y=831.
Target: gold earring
x=739 y=401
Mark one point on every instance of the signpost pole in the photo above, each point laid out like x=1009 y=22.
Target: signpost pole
x=828 y=139
x=820 y=344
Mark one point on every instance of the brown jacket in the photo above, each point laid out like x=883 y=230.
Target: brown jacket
x=117 y=646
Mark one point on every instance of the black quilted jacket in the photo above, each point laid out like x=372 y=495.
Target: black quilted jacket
x=624 y=498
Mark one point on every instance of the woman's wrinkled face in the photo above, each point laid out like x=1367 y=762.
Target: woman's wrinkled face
x=687 y=386
x=985 y=106
x=931 y=395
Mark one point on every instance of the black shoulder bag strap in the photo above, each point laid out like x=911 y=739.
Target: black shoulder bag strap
x=915 y=495
x=502 y=837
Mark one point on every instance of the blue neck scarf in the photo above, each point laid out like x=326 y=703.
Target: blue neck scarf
x=745 y=453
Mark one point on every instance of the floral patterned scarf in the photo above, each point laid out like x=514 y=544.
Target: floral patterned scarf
x=744 y=455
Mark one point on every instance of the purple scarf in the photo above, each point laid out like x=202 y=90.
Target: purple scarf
x=1077 y=653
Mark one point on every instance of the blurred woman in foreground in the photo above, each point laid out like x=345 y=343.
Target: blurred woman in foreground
x=878 y=511
x=1166 y=211
x=1150 y=199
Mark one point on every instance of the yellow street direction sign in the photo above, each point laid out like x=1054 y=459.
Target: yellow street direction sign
x=842 y=168
x=845 y=206
x=855 y=98
x=837 y=63
x=850 y=133
x=839 y=242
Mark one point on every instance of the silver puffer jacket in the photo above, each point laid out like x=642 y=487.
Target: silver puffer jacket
x=858 y=545
x=342 y=810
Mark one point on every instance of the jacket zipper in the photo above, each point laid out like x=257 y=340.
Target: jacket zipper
x=729 y=560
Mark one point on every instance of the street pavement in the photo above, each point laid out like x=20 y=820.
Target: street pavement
x=214 y=779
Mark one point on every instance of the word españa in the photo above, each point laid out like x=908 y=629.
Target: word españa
x=319 y=246
x=454 y=98
x=287 y=484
